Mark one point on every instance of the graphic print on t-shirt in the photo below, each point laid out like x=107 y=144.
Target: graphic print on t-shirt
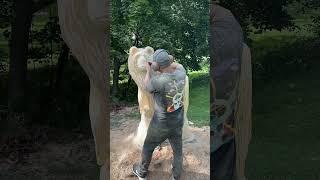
x=175 y=95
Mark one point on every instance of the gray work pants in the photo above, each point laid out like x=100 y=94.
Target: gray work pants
x=156 y=136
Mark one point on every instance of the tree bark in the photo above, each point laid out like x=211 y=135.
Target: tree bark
x=128 y=85
x=115 y=79
x=18 y=61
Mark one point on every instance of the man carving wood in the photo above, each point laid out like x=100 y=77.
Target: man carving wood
x=165 y=80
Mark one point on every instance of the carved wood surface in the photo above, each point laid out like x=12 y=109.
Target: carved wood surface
x=136 y=60
x=86 y=36
x=243 y=123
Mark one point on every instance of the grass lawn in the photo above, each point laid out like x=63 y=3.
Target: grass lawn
x=199 y=98
x=286 y=117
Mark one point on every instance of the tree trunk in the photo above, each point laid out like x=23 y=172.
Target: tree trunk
x=115 y=80
x=128 y=86
x=18 y=61
x=62 y=60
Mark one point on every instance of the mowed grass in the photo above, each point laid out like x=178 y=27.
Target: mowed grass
x=199 y=98
x=286 y=121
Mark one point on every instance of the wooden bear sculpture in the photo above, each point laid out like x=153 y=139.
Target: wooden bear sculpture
x=137 y=70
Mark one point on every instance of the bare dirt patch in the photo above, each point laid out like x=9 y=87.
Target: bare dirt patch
x=124 y=155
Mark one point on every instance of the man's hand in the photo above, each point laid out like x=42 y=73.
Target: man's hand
x=148 y=66
x=147 y=77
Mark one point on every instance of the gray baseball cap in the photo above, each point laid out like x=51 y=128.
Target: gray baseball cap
x=161 y=56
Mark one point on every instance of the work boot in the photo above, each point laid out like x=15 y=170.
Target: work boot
x=173 y=178
x=135 y=171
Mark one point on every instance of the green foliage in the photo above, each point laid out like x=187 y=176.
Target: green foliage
x=309 y=11
x=5 y=13
x=45 y=41
x=310 y=3
x=280 y=57
x=179 y=26
x=3 y=63
x=191 y=20
x=316 y=25
x=260 y=15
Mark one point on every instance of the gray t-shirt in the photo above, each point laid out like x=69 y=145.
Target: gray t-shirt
x=168 y=91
